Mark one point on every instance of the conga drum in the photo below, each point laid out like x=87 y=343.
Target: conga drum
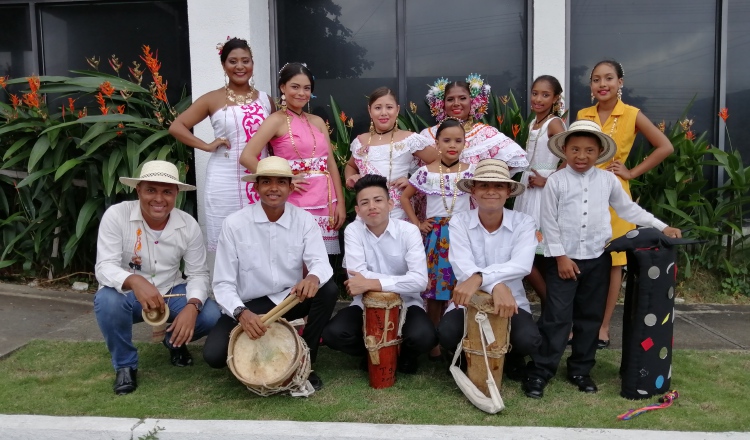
x=278 y=361
x=382 y=336
x=480 y=312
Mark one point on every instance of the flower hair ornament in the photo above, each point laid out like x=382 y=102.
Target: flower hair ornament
x=284 y=66
x=220 y=46
x=558 y=108
x=479 y=93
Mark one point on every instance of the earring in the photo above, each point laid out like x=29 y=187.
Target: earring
x=251 y=84
x=592 y=98
x=283 y=102
x=226 y=80
x=619 y=93
x=372 y=128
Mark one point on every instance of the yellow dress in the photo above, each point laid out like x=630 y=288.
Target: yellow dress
x=620 y=126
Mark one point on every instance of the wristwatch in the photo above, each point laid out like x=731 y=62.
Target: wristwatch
x=238 y=311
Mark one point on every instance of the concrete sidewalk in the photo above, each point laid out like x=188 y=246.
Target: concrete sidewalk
x=28 y=313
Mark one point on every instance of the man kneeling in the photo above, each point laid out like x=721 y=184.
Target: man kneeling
x=492 y=249
x=382 y=254
x=259 y=261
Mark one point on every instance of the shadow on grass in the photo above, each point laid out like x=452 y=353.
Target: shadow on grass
x=75 y=378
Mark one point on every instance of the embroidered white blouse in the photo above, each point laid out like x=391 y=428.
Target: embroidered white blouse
x=438 y=198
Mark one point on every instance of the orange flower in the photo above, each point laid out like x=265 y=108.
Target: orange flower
x=15 y=101
x=724 y=114
x=70 y=104
x=34 y=83
x=3 y=80
x=107 y=89
x=121 y=109
x=83 y=113
x=342 y=116
x=120 y=125
x=516 y=129
x=31 y=100
x=500 y=119
x=159 y=89
x=689 y=135
x=151 y=60
x=102 y=105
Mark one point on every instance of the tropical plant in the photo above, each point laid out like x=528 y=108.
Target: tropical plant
x=341 y=140
x=60 y=163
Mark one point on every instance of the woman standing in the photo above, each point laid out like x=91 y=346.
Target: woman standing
x=302 y=139
x=468 y=101
x=386 y=150
x=236 y=111
x=621 y=122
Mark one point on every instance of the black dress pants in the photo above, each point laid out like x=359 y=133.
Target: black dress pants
x=318 y=310
x=579 y=303
x=344 y=332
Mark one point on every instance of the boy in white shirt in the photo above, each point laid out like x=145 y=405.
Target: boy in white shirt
x=382 y=254
x=576 y=223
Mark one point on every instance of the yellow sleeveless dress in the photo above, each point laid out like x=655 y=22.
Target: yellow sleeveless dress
x=620 y=126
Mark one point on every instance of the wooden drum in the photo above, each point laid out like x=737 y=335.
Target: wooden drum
x=481 y=310
x=382 y=339
x=277 y=362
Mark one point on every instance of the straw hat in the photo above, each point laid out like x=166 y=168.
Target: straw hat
x=272 y=166
x=491 y=170
x=557 y=142
x=158 y=171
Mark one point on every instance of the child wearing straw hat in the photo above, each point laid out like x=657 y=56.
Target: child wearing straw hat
x=492 y=249
x=140 y=246
x=575 y=218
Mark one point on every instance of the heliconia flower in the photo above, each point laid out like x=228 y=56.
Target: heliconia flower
x=15 y=101
x=661 y=126
x=504 y=99
x=93 y=62
x=3 y=81
x=34 y=83
x=500 y=119
x=107 y=89
x=83 y=113
x=31 y=100
x=70 y=104
x=151 y=60
x=342 y=116
x=689 y=135
x=516 y=130
x=724 y=114
x=115 y=64
x=412 y=107
x=125 y=94
x=350 y=123
x=328 y=127
x=120 y=125
x=121 y=109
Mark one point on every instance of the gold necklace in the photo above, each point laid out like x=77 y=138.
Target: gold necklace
x=468 y=125
x=453 y=187
x=291 y=137
x=390 y=153
x=240 y=99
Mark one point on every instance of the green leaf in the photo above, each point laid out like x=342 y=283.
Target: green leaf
x=16 y=145
x=94 y=131
x=164 y=152
x=671 y=197
x=151 y=139
x=101 y=140
x=6 y=263
x=97 y=118
x=9 y=164
x=117 y=83
x=84 y=216
x=28 y=180
x=13 y=127
x=40 y=148
x=69 y=164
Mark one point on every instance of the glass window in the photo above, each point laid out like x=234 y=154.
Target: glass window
x=73 y=31
x=738 y=77
x=666 y=48
x=350 y=47
x=452 y=40
x=16 y=56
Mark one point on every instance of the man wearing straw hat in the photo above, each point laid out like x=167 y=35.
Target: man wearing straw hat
x=492 y=249
x=260 y=257
x=140 y=247
x=576 y=223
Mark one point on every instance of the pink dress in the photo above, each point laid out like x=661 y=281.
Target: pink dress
x=310 y=159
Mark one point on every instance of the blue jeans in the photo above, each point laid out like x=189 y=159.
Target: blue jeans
x=116 y=313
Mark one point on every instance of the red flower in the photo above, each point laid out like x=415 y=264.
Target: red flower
x=342 y=116
x=724 y=114
x=34 y=83
x=82 y=113
x=500 y=119
x=121 y=109
x=31 y=99
x=70 y=104
x=516 y=130
x=151 y=60
x=102 y=105
x=3 y=80
x=107 y=89
x=689 y=135
x=15 y=101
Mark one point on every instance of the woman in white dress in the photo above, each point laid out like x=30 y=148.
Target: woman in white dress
x=236 y=112
x=386 y=150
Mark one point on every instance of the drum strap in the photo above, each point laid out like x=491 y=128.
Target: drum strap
x=494 y=403
x=372 y=344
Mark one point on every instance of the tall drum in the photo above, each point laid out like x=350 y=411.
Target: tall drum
x=382 y=332
x=497 y=341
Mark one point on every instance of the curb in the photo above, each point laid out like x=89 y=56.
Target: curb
x=20 y=291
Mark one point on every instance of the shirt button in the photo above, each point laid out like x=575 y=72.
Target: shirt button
x=583 y=226
x=585 y=190
x=585 y=201
x=581 y=241
x=584 y=213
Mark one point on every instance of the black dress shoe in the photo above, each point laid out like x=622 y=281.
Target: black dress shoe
x=602 y=344
x=584 y=383
x=534 y=387
x=315 y=381
x=180 y=357
x=407 y=365
x=125 y=381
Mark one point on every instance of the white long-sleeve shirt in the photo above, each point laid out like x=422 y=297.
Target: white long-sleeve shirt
x=575 y=212
x=181 y=239
x=502 y=256
x=397 y=259
x=256 y=257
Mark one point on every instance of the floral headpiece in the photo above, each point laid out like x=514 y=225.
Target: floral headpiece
x=220 y=46
x=478 y=91
x=284 y=66
x=558 y=108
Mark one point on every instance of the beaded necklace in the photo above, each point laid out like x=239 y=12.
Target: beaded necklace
x=390 y=153
x=453 y=187
x=291 y=137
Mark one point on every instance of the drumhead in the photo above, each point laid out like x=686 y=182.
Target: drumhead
x=375 y=299
x=265 y=360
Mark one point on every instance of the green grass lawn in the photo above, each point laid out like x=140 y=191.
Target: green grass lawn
x=75 y=378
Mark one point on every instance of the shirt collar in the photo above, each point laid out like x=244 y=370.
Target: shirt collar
x=259 y=215
x=587 y=173
x=592 y=113
x=507 y=222
x=391 y=229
